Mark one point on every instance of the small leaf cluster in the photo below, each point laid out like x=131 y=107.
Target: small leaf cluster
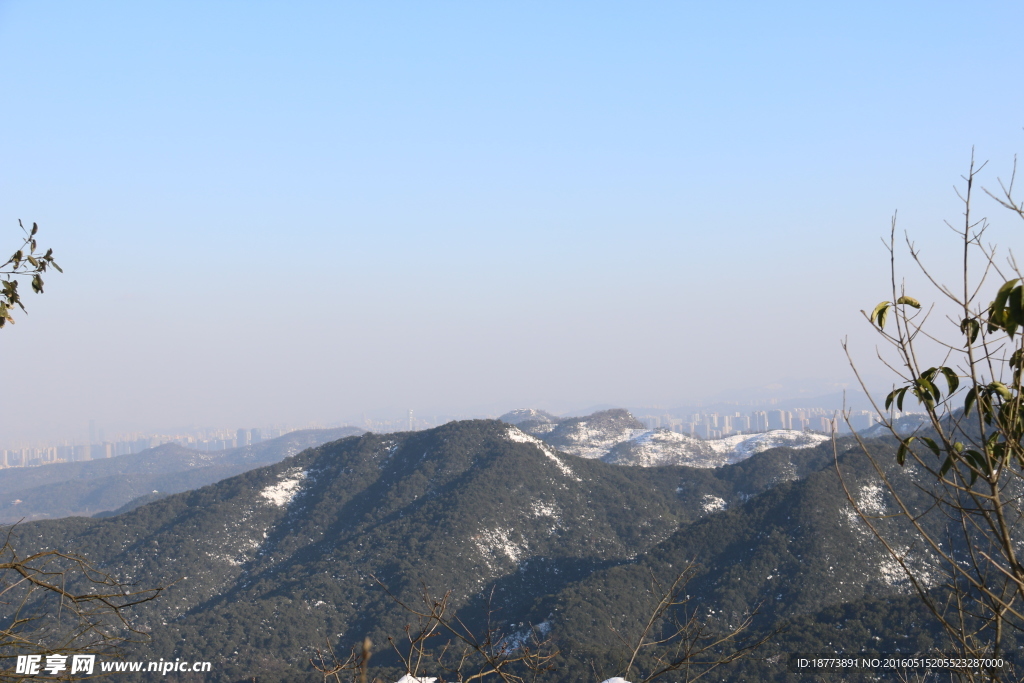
x=1006 y=312
x=924 y=388
x=29 y=262
x=881 y=311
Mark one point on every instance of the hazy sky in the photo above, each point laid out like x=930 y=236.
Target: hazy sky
x=272 y=212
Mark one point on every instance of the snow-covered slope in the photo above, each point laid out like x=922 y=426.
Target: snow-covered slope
x=617 y=437
x=588 y=437
x=662 y=447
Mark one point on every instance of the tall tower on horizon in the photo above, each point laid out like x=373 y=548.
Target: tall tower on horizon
x=410 y=419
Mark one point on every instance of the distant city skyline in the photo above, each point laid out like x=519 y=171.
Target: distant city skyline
x=712 y=424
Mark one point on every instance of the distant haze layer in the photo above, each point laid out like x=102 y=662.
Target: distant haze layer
x=284 y=214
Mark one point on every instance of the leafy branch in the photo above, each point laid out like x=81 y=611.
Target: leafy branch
x=27 y=262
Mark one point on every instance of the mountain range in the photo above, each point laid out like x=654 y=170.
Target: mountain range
x=103 y=487
x=266 y=565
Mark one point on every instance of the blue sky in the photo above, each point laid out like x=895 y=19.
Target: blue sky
x=286 y=212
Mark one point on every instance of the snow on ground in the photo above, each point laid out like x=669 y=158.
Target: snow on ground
x=743 y=446
x=526 y=636
x=520 y=436
x=491 y=542
x=286 y=488
x=871 y=499
x=713 y=503
x=652 y=448
x=593 y=442
x=540 y=509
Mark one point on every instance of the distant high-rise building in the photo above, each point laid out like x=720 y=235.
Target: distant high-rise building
x=779 y=419
x=862 y=420
x=651 y=422
x=92 y=431
x=410 y=419
x=242 y=438
x=255 y=435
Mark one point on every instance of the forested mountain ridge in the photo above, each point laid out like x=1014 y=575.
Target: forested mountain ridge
x=271 y=562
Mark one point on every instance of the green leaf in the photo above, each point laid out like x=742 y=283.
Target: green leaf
x=901 y=453
x=972 y=397
x=932 y=446
x=971 y=328
x=1001 y=389
x=1003 y=294
x=952 y=380
x=879 y=314
x=897 y=395
x=909 y=300
x=946 y=465
x=925 y=391
x=998 y=315
x=977 y=462
x=1014 y=307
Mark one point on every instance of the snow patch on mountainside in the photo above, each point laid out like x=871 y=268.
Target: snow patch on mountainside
x=589 y=442
x=587 y=437
x=522 y=437
x=713 y=503
x=743 y=446
x=652 y=448
x=540 y=509
x=920 y=562
x=492 y=542
x=871 y=499
x=286 y=488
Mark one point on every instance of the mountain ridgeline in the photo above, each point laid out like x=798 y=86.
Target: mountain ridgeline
x=267 y=565
x=99 y=486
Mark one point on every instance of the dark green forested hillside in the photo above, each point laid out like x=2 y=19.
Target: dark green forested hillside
x=274 y=561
